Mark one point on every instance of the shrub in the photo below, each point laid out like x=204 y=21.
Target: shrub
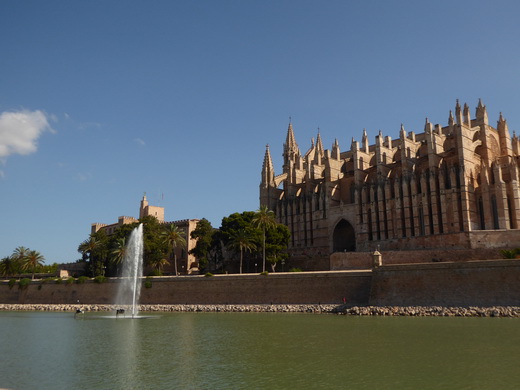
x=11 y=283
x=58 y=280
x=148 y=282
x=295 y=269
x=265 y=273
x=81 y=279
x=208 y=274
x=100 y=279
x=69 y=280
x=510 y=253
x=155 y=272
x=23 y=283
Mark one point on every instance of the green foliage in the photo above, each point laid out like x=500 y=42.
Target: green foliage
x=58 y=280
x=264 y=273
x=69 y=280
x=510 y=253
x=204 y=248
x=24 y=283
x=242 y=240
x=295 y=269
x=100 y=279
x=148 y=282
x=208 y=274
x=155 y=272
x=11 y=283
x=173 y=238
x=82 y=279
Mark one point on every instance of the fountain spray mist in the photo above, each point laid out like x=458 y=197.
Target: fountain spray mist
x=132 y=272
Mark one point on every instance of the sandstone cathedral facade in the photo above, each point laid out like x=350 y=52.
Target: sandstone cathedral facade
x=452 y=187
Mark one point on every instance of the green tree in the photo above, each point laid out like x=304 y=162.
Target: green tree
x=241 y=240
x=158 y=264
x=173 y=237
x=155 y=248
x=32 y=260
x=20 y=253
x=119 y=250
x=264 y=219
x=277 y=241
x=95 y=251
x=9 y=266
x=231 y=225
x=204 y=233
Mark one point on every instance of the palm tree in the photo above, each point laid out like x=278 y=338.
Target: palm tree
x=264 y=219
x=20 y=253
x=241 y=240
x=9 y=266
x=87 y=247
x=173 y=238
x=158 y=264
x=33 y=260
x=119 y=251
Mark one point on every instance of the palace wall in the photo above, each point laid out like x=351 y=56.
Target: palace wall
x=321 y=287
x=465 y=283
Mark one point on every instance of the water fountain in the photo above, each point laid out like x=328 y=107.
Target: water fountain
x=130 y=286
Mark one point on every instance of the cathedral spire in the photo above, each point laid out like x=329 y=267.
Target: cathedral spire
x=267 y=169
x=290 y=149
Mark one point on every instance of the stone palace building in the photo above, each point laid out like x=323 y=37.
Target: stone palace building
x=187 y=263
x=449 y=187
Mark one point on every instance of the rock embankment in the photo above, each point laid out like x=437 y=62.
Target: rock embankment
x=416 y=311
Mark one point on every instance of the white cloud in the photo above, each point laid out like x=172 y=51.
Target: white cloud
x=20 y=130
x=140 y=141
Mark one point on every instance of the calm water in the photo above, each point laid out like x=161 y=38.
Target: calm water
x=257 y=351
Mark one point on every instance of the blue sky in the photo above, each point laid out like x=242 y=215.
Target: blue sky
x=101 y=101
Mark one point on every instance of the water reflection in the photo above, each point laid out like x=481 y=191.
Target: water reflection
x=256 y=350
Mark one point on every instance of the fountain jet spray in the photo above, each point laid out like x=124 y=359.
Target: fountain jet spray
x=130 y=286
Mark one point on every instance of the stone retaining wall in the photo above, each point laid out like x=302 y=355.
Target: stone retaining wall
x=415 y=311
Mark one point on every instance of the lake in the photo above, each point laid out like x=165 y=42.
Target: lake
x=47 y=350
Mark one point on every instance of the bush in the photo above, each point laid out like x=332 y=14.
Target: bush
x=11 y=283
x=81 y=279
x=510 y=253
x=70 y=280
x=265 y=273
x=295 y=269
x=100 y=279
x=208 y=274
x=148 y=282
x=155 y=272
x=58 y=280
x=23 y=283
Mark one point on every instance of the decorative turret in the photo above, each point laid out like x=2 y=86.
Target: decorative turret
x=458 y=113
x=428 y=126
x=481 y=114
x=364 y=141
x=320 y=152
x=506 y=147
x=467 y=115
x=335 y=150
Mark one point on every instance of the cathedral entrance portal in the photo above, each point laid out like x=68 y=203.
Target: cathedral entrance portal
x=344 y=237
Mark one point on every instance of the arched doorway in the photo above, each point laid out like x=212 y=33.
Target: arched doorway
x=344 y=237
